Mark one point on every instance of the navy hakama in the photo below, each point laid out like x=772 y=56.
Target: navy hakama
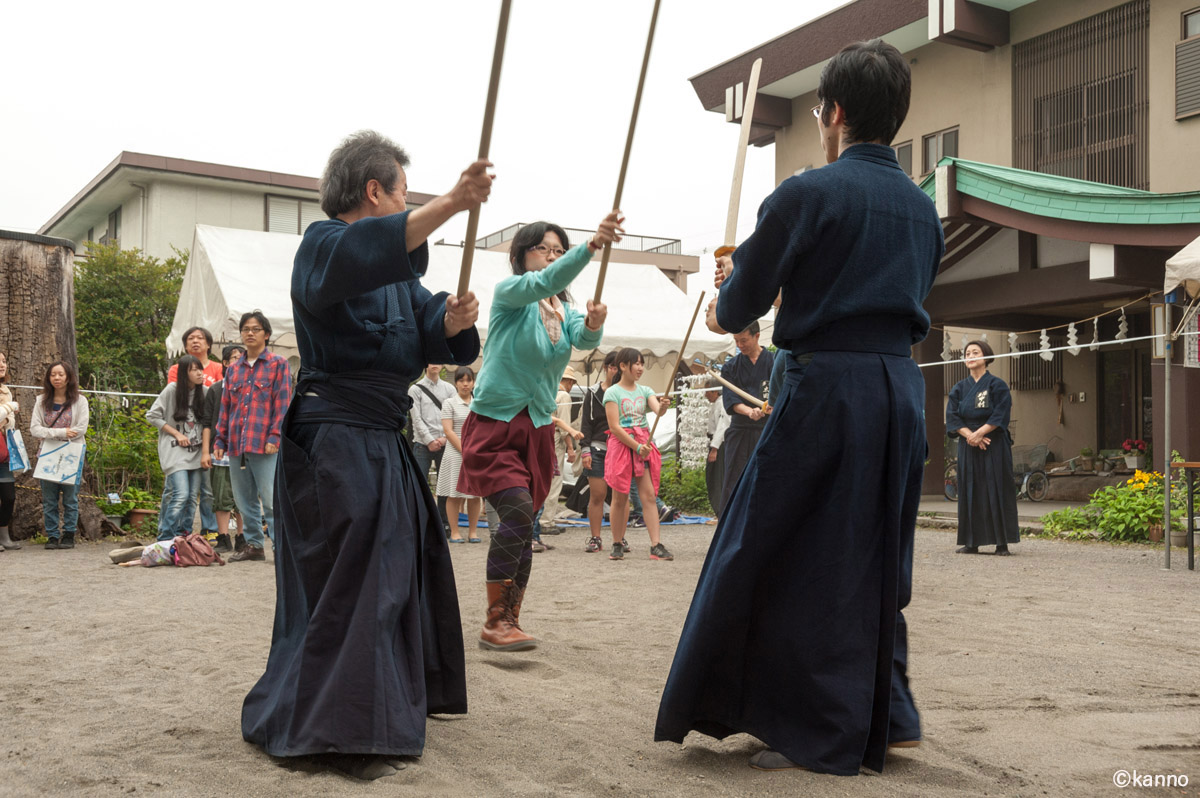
x=367 y=638
x=987 y=494
x=796 y=633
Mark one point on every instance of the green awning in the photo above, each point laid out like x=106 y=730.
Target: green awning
x=1064 y=197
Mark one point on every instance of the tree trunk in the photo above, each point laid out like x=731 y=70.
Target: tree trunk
x=37 y=300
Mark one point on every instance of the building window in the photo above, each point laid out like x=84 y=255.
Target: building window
x=1187 y=67
x=112 y=234
x=1030 y=373
x=936 y=146
x=291 y=215
x=904 y=156
x=1081 y=99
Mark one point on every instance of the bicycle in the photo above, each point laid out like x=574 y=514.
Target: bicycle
x=1029 y=473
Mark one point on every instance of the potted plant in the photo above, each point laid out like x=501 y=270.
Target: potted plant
x=1135 y=453
x=144 y=505
x=115 y=512
x=1085 y=459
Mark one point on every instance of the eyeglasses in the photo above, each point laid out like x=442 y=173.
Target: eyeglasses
x=816 y=110
x=542 y=249
x=252 y=330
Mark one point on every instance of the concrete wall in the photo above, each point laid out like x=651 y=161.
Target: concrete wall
x=953 y=86
x=176 y=209
x=1035 y=413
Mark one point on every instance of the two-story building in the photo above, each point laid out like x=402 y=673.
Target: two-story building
x=1061 y=143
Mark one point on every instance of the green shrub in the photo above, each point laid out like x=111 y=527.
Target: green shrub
x=1070 y=519
x=684 y=489
x=1126 y=511
x=123 y=447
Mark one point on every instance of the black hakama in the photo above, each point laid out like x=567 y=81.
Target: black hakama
x=795 y=634
x=987 y=494
x=367 y=638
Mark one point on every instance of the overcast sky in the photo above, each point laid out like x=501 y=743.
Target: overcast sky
x=271 y=87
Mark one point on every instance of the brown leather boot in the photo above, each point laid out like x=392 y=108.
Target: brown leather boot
x=501 y=631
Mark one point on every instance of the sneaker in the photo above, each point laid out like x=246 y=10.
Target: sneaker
x=625 y=545
x=594 y=544
x=248 y=553
x=223 y=544
x=637 y=522
x=618 y=553
x=67 y=542
x=52 y=543
x=660 y=552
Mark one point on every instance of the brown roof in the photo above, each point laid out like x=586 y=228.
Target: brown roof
x=809 y=44
x=158 y=163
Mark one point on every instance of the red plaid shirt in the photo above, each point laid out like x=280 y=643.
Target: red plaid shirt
x=255 y=400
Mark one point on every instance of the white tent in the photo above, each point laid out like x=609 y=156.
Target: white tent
x=233 y=271
x=1183 y=269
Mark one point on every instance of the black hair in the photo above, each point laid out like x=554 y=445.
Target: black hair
x=463 y=371
x=529 y=237
x=258 y=316
x=753 y=329
x=628 y=356
x=71 y=388
x=227 y=352
x=611 y=358
x=360 y=158
x=988 y=355
x=183 y=368
x=872 y=82
x=188 y=334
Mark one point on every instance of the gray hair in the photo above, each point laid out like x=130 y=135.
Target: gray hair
x=360 y=158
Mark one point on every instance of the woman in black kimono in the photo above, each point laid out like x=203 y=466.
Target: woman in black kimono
x=977 y=413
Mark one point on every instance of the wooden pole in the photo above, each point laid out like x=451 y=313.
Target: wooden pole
x=761 y=404
x=739 y=163
x=679 y=359
x=637 y=102
x=485 y=141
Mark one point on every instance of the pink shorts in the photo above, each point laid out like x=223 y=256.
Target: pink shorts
x=621 y=464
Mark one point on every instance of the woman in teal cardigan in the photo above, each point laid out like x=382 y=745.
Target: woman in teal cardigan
x=508 y=438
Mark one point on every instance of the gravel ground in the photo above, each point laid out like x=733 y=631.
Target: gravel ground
x=1038 y=674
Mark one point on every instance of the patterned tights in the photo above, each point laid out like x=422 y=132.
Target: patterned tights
x=511 y=552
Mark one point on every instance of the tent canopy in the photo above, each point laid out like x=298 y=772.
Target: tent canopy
x=1183 y=268
x=234 y=271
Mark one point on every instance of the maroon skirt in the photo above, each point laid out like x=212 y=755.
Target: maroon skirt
x=506 y=454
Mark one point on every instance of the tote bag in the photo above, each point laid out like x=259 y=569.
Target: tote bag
x=18 y=458
x=60 y=461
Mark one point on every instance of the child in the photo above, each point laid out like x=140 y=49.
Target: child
x=178 y=414
x=454 y=413
x=630 y=451
x=60 y=413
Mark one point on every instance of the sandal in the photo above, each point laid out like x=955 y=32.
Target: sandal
x=457 y=540
x=474 y=540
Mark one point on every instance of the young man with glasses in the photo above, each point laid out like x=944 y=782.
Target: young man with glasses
x=795 y=633
x=258 y=390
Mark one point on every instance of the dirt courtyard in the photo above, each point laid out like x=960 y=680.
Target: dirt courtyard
x=1038 y=674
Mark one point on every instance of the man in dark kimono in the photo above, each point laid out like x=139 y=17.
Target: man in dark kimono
x=795 y=633
x=750 y=370
x=367 y=638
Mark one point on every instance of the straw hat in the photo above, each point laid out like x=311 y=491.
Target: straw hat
x=571 y=374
